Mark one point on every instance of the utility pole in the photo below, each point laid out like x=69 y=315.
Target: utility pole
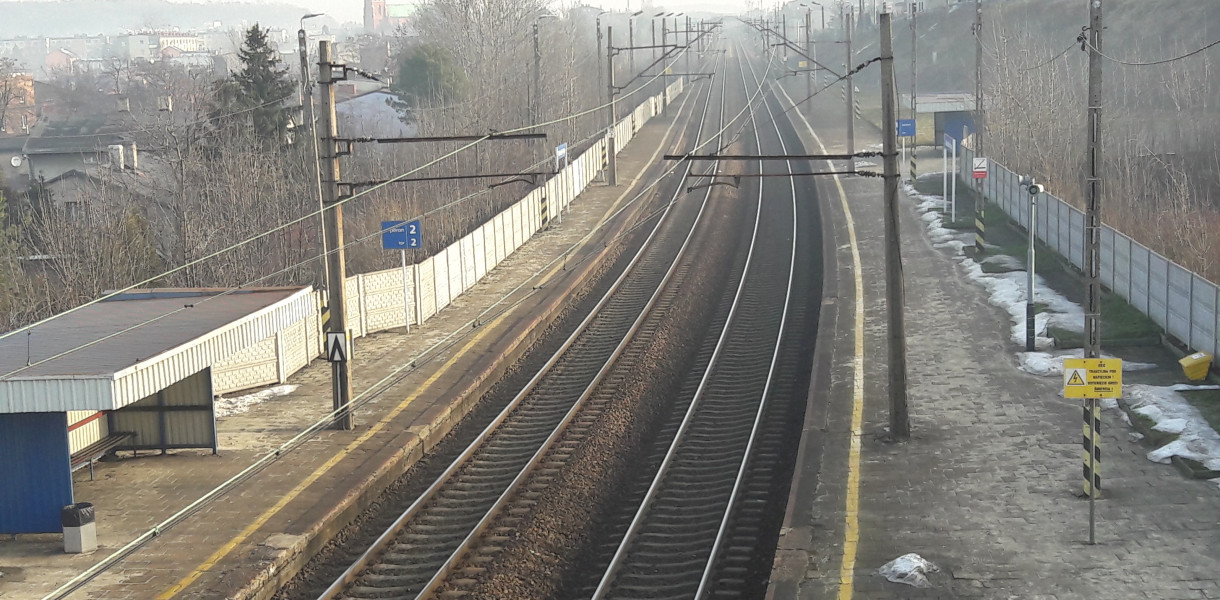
x=652 y=26
x=809 y=50
x=1092 y=256
x=611 y=166
x=536 y=105
x=631 y=45
x=783 y=28
x=914 y=72
x=686 y=51
x=337 y=298
x=980 y=204
x=851 y=111
x=307 y=112
x=900 y=426
x=598 y=51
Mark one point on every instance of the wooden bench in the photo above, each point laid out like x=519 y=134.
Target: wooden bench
x=98 y=449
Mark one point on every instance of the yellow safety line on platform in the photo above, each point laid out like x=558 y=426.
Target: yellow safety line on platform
x=330 y=463
x=851 y=518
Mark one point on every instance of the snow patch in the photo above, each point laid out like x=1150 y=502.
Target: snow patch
x=911 y=569
x=226 y=407
x=1170 y=412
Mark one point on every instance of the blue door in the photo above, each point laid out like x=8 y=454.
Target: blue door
x=35 y=472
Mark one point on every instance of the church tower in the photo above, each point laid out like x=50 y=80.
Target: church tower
x=374 y=16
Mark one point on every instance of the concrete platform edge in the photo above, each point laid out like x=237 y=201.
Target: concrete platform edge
x=791 y=555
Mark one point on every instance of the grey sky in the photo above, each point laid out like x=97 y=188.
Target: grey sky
x=352 y=10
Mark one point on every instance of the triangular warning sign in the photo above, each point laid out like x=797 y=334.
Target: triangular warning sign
x=336 y=347
x=1075 y=378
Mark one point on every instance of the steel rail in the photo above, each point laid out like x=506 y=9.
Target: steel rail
x=708 y=570
x=446 y=569
x=353 y=573
x=633 y=530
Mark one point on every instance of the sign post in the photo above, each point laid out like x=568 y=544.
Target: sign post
x=944 y=168
x=953 y=177
x=1092 y=379
x=561 y=156
x=980 y=168
x=403 y=236
x=906 y=129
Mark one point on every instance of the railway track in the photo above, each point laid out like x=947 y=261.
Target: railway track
x=697 y=514
x=415 y=554
x=702 y=528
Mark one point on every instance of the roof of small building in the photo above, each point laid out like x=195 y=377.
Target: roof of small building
x=115 y=352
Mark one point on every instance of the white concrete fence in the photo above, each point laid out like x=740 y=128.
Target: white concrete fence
x=379 y=300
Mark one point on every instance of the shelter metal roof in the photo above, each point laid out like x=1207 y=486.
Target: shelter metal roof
x=113 y=353
x=943 y=102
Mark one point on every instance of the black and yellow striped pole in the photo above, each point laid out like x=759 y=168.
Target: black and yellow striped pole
x=1091 y=379
x=1092 y=447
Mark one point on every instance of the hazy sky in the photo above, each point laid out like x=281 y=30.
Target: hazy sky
x=353 y=10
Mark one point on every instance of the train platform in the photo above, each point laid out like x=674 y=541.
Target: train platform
x=266 y=526
x=987 y=487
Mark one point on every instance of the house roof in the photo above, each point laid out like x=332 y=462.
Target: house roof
x=83 y=134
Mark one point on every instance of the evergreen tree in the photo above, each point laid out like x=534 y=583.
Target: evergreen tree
x=428 y=74
x=259 y=89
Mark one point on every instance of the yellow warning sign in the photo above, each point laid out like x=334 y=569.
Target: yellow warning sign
x=1092 y=378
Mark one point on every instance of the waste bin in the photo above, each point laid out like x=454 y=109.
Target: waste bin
x=1195 y=366
x=80 y=530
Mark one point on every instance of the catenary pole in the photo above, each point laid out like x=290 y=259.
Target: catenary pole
x=611 y=166
x=980 y=203
x=307 y=112
x=337 y=298
x=914 y=90
x=809 y=50
x=850 y=95
x=1092 y=255
x=900 y=426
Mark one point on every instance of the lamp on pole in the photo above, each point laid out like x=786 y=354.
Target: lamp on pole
x=307 y=101
x=1034 y=188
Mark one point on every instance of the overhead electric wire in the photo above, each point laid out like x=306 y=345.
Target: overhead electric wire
x=1085 y=43
x=186 y=124
x=373 y=391
x=331 y=206
x=1049 y=60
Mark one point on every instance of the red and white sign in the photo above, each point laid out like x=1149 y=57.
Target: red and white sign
x=980 y=168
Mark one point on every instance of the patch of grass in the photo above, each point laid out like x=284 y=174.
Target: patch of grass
x=1122 y=325
x=1145 y=426
x=1208 y=403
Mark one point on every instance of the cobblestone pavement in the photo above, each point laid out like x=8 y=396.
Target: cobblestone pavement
x=986 y=487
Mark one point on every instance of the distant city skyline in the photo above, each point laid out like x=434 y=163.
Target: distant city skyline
x=353 y=10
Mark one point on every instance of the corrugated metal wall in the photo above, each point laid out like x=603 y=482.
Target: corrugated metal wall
x=35 y=475
x=86 y=427
x=180 y=416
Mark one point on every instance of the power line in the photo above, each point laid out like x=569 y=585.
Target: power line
x=187 y=124
x=372 y=392
x=1085 y=43
x=1049 y=60
x=313 y=214
x=253 y=281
